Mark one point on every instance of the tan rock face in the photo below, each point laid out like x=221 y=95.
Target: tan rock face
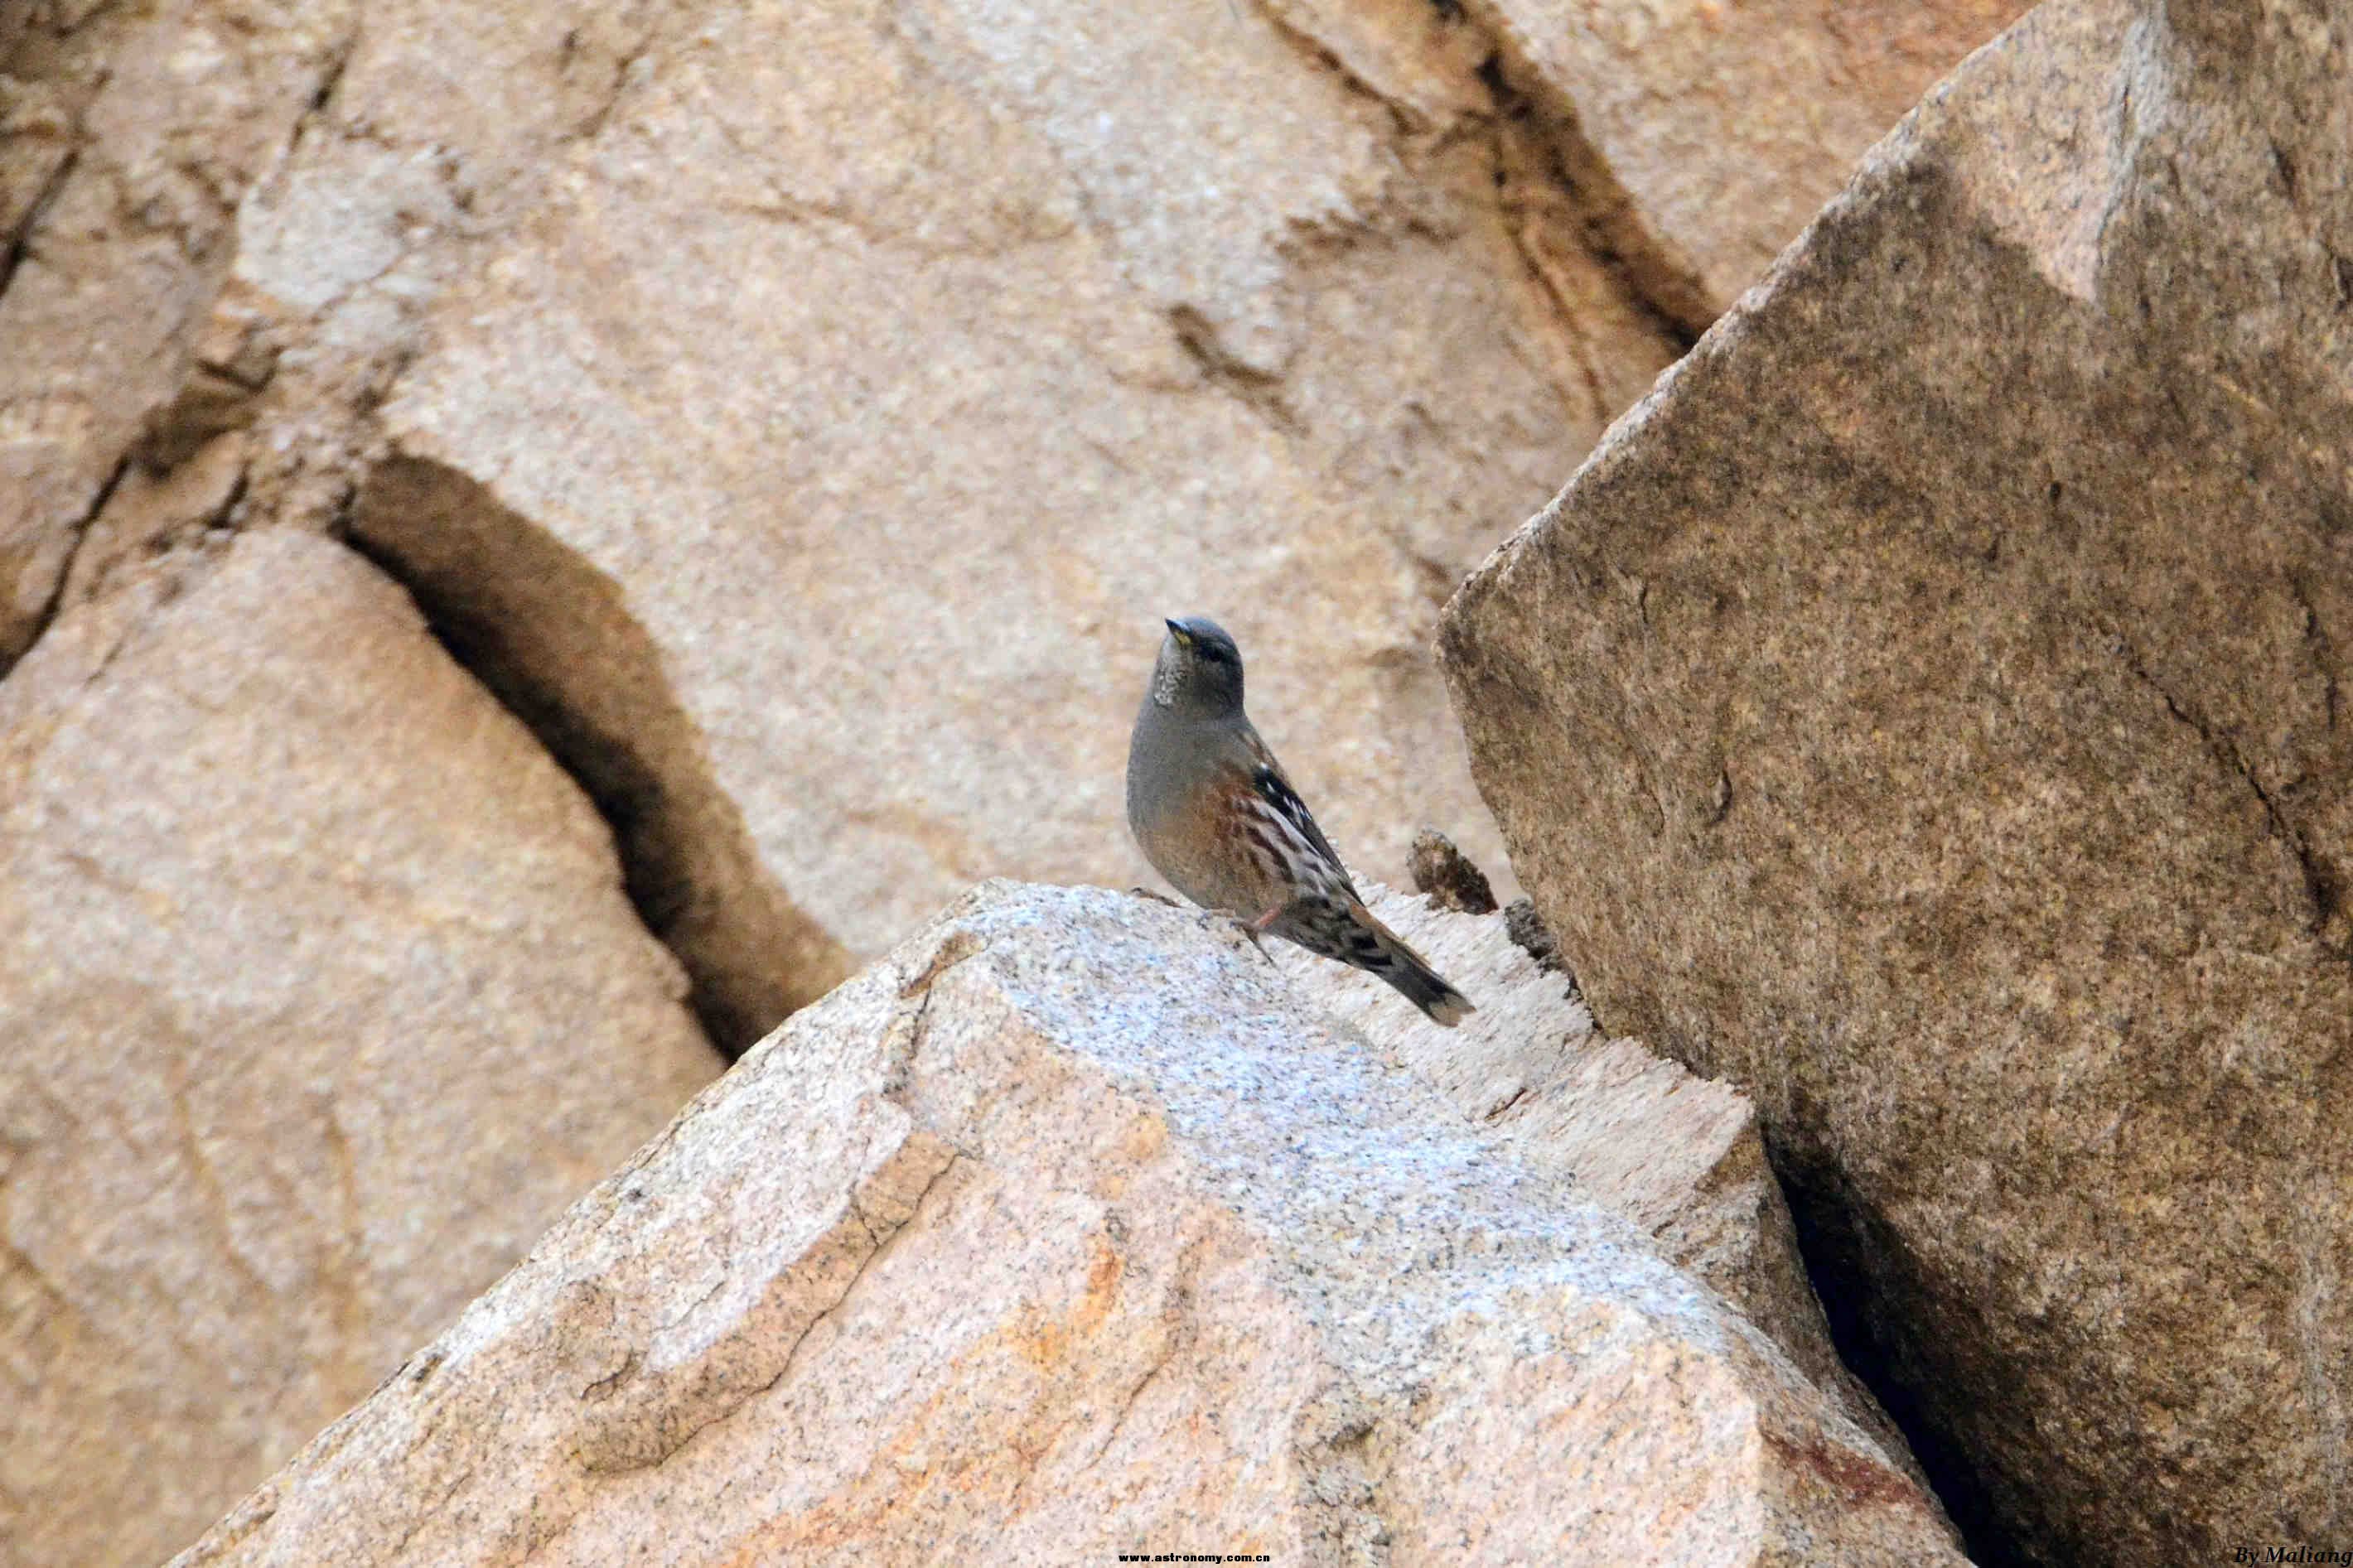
x=1926 y=711
x=222 y=214
x=320 y=999
x=1717 y=130
x=1071 y=1230
x=885 y=384
x=975 y=340
x=800 y=417
x=128 y=134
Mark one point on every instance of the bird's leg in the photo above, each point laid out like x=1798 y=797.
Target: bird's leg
x=1252 y=929
x=1256 y=931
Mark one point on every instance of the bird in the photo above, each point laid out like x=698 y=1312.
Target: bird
x=1213 y=811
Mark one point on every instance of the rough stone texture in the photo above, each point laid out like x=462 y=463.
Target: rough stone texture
x=228 y=215
x=1927 y=711
x=1447 y=876
x=435 y=133
x=874 y=388
x=1678 y=1157
x=1709 y=133
x=799 y=402
x=1071 y=1230
x=1535 y=938
x=1321 y=260
x=1009 y=330
x=128 y=134
x=321 y=999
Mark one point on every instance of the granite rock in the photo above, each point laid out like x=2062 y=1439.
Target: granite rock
x=321 y=999
x=1925 y=711
x=1070 y=1229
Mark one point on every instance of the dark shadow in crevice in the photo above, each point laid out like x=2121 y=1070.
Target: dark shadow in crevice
x=549 y=635
x=1667 y=292
x=1839 y=1262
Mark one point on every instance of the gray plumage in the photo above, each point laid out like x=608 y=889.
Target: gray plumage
x=1215 y=814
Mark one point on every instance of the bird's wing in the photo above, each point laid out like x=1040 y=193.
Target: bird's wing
x=1273 y=787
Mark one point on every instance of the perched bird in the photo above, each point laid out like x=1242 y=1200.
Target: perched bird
x=1212 y=811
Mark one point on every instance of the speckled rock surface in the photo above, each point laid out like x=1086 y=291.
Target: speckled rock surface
x=320 y=1000
x=1926 y=711
x=1071 y=1230
x=1677 y=1156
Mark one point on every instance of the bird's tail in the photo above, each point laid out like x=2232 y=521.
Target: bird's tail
x=1377 y=950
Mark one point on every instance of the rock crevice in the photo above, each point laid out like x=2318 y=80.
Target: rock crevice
x=554 y=640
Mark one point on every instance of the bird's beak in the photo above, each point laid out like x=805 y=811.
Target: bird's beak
x=1184 y=639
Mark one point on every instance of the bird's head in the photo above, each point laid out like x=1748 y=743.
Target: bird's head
x=1199 y=675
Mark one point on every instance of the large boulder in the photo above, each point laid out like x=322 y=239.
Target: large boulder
x=1072 y=1229
x=320 y=998
x=1926 y=710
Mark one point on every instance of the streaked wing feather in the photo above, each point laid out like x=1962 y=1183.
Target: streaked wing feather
x=1273 y=786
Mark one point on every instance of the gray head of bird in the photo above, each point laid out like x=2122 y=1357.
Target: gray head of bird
x=1199 y=675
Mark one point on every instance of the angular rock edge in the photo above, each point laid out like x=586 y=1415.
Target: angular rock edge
x=1069 y=1230
x=1925 y=710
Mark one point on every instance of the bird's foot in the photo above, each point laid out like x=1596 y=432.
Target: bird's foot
x=1256 y=931
x=1232 y=925
x=1155 y=896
